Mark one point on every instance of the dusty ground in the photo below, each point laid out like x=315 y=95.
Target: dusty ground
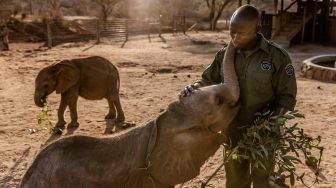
x=152 y=74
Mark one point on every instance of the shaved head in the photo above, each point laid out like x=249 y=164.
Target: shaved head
x=244 y=26
x=246 y=14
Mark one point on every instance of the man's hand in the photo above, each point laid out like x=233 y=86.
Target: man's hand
x=189 y=89
x=280 y=110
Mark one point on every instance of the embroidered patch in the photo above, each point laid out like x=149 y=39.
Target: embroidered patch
x=265 y=65
x=289 y=69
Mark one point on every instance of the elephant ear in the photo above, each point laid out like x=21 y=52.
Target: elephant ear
x=67 y=75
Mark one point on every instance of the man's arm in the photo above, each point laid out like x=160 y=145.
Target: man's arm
x=212 y=74
x=284 y=84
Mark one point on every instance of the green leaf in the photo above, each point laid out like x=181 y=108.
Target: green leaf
x=289 y=116
x=262 y=165
x=265 y=151
x=282 y=130
x=253 y=156
x=292 y=180
x=299 y=115
x=234 y=156
x=256 y=135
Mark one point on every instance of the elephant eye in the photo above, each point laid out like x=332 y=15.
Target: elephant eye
x=220 y=100
x=45 y=85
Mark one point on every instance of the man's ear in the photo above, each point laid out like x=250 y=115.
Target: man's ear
x=258 y=27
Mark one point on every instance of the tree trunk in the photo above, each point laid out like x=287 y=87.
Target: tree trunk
x=212 y=13
x=216 y=18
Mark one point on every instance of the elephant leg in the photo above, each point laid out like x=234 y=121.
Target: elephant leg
x=73 y=111
x=61 y=122
x=112 y=111
x=120 y=112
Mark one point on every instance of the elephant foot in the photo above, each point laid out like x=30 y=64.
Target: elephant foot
x=57 y=130
x=110 y=116
x=120 y=119
x=125 y=125
x=60 y=124
x=73 y=124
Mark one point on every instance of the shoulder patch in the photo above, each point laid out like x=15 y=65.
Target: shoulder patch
x=289 y=69
x=265 y=65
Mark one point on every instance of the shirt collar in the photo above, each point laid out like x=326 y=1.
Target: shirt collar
x=263 y=43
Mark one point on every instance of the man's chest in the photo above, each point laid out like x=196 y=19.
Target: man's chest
x=254 y=69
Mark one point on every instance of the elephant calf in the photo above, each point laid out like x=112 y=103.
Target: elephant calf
x=161 y=153
x=92 y=78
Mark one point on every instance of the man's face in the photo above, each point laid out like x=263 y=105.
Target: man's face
x=242 y=33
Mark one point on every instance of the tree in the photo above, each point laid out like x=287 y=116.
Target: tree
x=216 y=8
x=55 y=9
x=106 y=7
x=6 y=9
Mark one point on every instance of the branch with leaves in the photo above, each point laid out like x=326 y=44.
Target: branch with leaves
x=269 y=142
x=44 y=122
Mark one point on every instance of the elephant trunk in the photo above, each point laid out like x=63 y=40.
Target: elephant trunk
x=229 y=72
x=39 y=100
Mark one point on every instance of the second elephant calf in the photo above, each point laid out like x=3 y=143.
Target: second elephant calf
x=92 y=78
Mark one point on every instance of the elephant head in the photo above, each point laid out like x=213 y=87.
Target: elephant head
x=188 y=132
x=59 y=77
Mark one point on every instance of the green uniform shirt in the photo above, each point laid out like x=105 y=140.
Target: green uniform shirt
x=266 y=78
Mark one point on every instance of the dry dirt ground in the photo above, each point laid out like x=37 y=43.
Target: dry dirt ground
x=152 y=74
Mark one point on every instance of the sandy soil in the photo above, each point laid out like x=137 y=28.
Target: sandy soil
x=152 y=74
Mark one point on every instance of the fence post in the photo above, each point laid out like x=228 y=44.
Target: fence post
x=160 y=25
x=149 y=28
x=184 y=23
x=126 y=30
x=98 y=32
x=174 y=25
x=49 y=37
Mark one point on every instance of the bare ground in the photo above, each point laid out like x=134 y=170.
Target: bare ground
x=152 y=74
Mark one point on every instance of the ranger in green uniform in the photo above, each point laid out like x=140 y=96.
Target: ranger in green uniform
x=266 y=80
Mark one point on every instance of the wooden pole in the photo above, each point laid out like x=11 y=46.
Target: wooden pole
x=30 y=7
x=314 y=22
x=98 y=31
x=126 y=30
x=160 y=25
x=274 y=21
x=49 y=33
x=303 y=23
x=184 y=23
x=174 y=25
x=148 y=29
x=240 y=3
x=282 y=5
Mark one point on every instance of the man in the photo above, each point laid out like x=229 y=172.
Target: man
x=4 y=37
x=266 y=80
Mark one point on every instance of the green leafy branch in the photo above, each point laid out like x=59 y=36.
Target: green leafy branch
x=271 y=145
x=43 y=121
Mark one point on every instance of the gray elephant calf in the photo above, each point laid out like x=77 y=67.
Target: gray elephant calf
x=159 y=154
x=92 y=78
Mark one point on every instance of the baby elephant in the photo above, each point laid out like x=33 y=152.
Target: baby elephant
x=92 y=78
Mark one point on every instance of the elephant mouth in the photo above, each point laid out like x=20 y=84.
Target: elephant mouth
x=41 y=101
x=44 y=100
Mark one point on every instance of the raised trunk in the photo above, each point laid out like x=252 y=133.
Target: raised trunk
x=229 y=72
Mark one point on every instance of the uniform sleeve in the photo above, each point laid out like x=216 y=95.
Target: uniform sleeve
x=284 y=83
x=212 y=74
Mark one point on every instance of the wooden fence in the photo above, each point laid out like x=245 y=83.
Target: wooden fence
x=54 y=33
x=114 y=30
